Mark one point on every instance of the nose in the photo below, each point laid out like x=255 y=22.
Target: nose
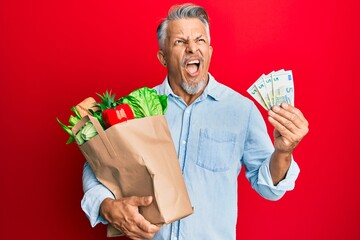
x=191 y=47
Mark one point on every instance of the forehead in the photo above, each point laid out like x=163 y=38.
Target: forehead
x=186 y=28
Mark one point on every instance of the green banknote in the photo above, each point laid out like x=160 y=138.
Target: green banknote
x=256 y=95
x=283 y=87
x=273 y=89
x=263 y=91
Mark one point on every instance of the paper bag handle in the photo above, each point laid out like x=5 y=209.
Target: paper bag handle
x=99 y=130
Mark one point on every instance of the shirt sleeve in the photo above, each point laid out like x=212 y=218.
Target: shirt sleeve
x=256 y=159
x=265 y=182
x=94 y=194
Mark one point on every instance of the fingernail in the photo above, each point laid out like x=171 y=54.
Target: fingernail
x=276 y=108
x=285 y=105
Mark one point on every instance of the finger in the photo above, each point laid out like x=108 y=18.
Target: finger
x=288 y=114
x=132 y=235
x=283 y=130
x=295 y=111
x=302 y=124
x=146 y=226
x=282 y=123
x=138 y=234
x=138 y=225
x=133 y=230
x=136 y=231
x=139 y=201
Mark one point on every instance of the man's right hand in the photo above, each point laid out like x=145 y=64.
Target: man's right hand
x=123 y=214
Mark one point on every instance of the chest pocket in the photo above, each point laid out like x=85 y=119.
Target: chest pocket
x=216 y=150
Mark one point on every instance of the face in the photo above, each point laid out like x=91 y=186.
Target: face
x=187 y=54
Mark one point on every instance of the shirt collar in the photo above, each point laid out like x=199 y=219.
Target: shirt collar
x=210 y=90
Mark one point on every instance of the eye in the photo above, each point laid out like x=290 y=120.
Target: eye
x=178 y=42
x=201 y=40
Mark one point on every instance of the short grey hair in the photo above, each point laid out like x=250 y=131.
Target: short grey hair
x=187 y=10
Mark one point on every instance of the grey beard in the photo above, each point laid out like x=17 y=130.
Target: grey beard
x=193 y=89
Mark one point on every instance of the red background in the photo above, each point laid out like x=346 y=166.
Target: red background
x=53 y=54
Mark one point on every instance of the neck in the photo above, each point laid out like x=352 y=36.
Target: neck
x=188 y=98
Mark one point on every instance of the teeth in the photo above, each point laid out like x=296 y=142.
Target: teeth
x=194 y=62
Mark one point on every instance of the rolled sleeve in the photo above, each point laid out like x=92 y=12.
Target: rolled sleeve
x=266 y=186
x=95 y=193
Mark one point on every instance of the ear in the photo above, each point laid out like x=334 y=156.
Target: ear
x=210 y=50
x=161 y=57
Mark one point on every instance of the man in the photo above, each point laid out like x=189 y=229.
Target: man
x=215 y=131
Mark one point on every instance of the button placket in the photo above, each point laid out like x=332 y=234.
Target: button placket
x=184 y=135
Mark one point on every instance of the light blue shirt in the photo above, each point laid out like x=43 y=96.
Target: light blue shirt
x=215 y=136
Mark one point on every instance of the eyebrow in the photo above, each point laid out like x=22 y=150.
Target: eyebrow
x=183 y=38
x=201 y=36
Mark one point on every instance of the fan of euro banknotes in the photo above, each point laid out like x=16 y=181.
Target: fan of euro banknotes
x=273 y=89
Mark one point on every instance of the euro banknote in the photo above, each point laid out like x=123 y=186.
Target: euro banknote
x=273 y=89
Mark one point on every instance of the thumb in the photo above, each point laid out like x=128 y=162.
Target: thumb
x=140 y=201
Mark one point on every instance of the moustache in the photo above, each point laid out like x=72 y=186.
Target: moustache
x=187 y=57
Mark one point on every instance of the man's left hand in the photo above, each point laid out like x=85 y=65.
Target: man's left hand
x=290 y=127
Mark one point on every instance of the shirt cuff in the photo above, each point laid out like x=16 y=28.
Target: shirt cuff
x=288 y=183
x=91 y=203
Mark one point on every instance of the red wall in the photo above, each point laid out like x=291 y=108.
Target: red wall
x=53 y=54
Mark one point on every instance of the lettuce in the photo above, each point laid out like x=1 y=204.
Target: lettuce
x=145 y=102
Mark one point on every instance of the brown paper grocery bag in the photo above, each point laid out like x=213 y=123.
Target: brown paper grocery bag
x=138 y=158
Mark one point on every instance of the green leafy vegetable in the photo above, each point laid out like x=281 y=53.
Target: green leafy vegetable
x=98 y=116
x=72 y=120
x=145 y=102
x=87 y=132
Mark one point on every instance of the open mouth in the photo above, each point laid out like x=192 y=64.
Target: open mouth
x=192 y=66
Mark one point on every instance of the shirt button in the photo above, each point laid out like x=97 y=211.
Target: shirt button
x=184 y=142
x=174 y=238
